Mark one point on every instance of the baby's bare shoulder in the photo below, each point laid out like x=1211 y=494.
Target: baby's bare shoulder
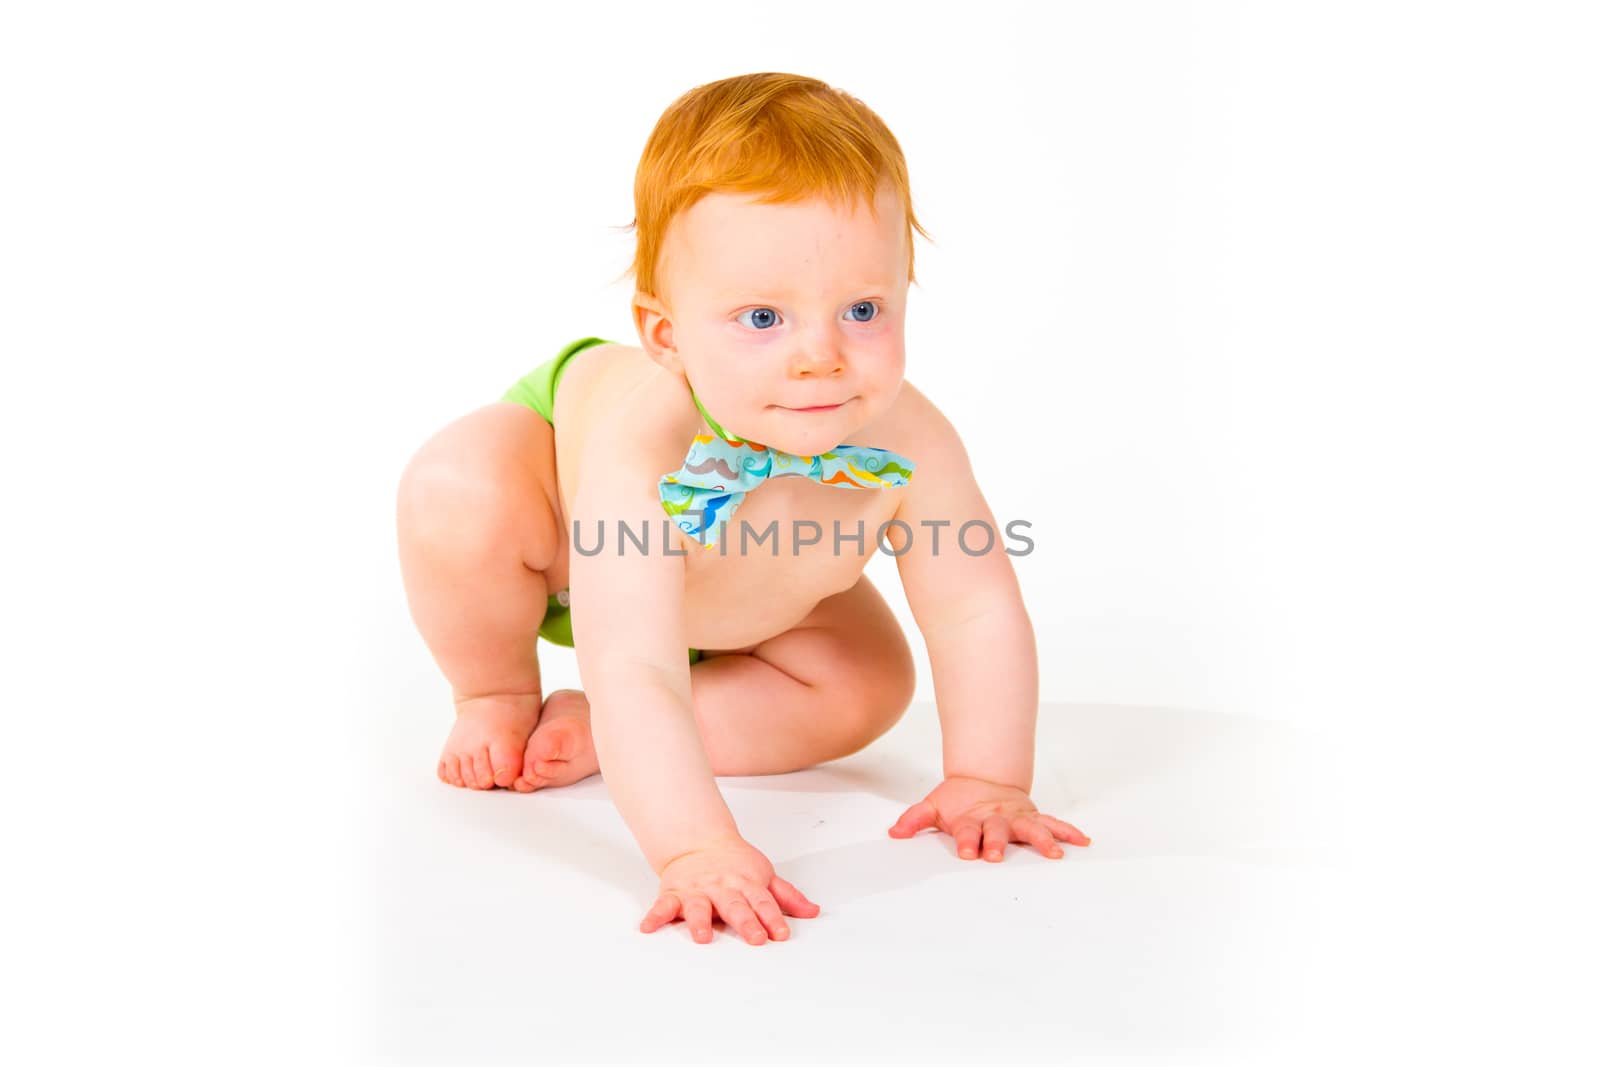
x=627 y=413
x=912 y=425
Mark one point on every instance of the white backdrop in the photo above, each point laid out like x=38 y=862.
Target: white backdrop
x=1298 y=307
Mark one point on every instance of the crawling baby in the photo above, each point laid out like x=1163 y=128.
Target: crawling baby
x=716 y=490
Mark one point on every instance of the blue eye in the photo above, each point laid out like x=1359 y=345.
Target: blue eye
x=765 y=318
x=769 y=317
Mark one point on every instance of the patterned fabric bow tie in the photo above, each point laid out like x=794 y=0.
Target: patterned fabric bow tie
x=720 y=470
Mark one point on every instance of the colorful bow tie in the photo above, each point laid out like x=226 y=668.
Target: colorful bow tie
x=719 y=471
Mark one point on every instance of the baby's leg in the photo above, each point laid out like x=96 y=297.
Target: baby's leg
x=477 y=528
x=820 y=691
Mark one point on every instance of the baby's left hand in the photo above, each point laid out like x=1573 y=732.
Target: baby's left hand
x=970 y=809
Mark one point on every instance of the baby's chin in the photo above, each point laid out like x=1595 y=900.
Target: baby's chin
x=808 y=433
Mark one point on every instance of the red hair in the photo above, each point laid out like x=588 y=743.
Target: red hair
x=783 y=135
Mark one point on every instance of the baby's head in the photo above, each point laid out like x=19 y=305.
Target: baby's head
x=774 y=225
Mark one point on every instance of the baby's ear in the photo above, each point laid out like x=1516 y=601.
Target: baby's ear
x=655 y=331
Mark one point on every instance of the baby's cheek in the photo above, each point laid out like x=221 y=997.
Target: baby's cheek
x=889 y=380
x=894 y=364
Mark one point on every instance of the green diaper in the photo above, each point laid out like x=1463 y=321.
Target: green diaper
x=537 y=388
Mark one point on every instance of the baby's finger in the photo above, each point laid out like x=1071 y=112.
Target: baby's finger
x=791 y=900
x=968 y=836
x=697 y=911
x=1035 y=833
x=919 y=816
x=771 y=914
x=663 y=911
x=1064 y=830
x=736 y=912
x=996 y=835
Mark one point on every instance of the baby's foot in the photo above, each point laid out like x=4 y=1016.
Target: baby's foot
x=561 y=750
x=487 y=744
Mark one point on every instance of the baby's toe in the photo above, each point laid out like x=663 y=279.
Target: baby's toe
x=539 y=769
x=450 y=769
x=536 y=769
x=531 y=755
x=482 y=771
x=469 y=775
x=505 y=759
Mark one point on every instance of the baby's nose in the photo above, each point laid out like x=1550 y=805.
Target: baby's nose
x=818 y=361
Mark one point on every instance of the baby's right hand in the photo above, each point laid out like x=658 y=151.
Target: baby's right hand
x=732 y=879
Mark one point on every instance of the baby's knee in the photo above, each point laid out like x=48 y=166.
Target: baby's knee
x=875 y=679
x=443 y=506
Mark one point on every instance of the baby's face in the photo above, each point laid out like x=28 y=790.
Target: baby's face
x=776 y=308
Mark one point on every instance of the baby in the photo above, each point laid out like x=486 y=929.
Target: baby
x=719 y=488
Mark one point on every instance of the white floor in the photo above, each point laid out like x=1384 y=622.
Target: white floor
x=272 y=874
x=1194 y=925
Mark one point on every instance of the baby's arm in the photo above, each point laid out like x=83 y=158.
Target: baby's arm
x=628 y=629
x=981 y=647
x=969 y=608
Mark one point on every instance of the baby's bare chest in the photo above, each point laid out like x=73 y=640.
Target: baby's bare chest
x=791 y=543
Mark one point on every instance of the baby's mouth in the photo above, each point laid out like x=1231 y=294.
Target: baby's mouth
x=819 y=409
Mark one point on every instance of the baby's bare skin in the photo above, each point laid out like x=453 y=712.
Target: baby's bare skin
x=779 y=616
